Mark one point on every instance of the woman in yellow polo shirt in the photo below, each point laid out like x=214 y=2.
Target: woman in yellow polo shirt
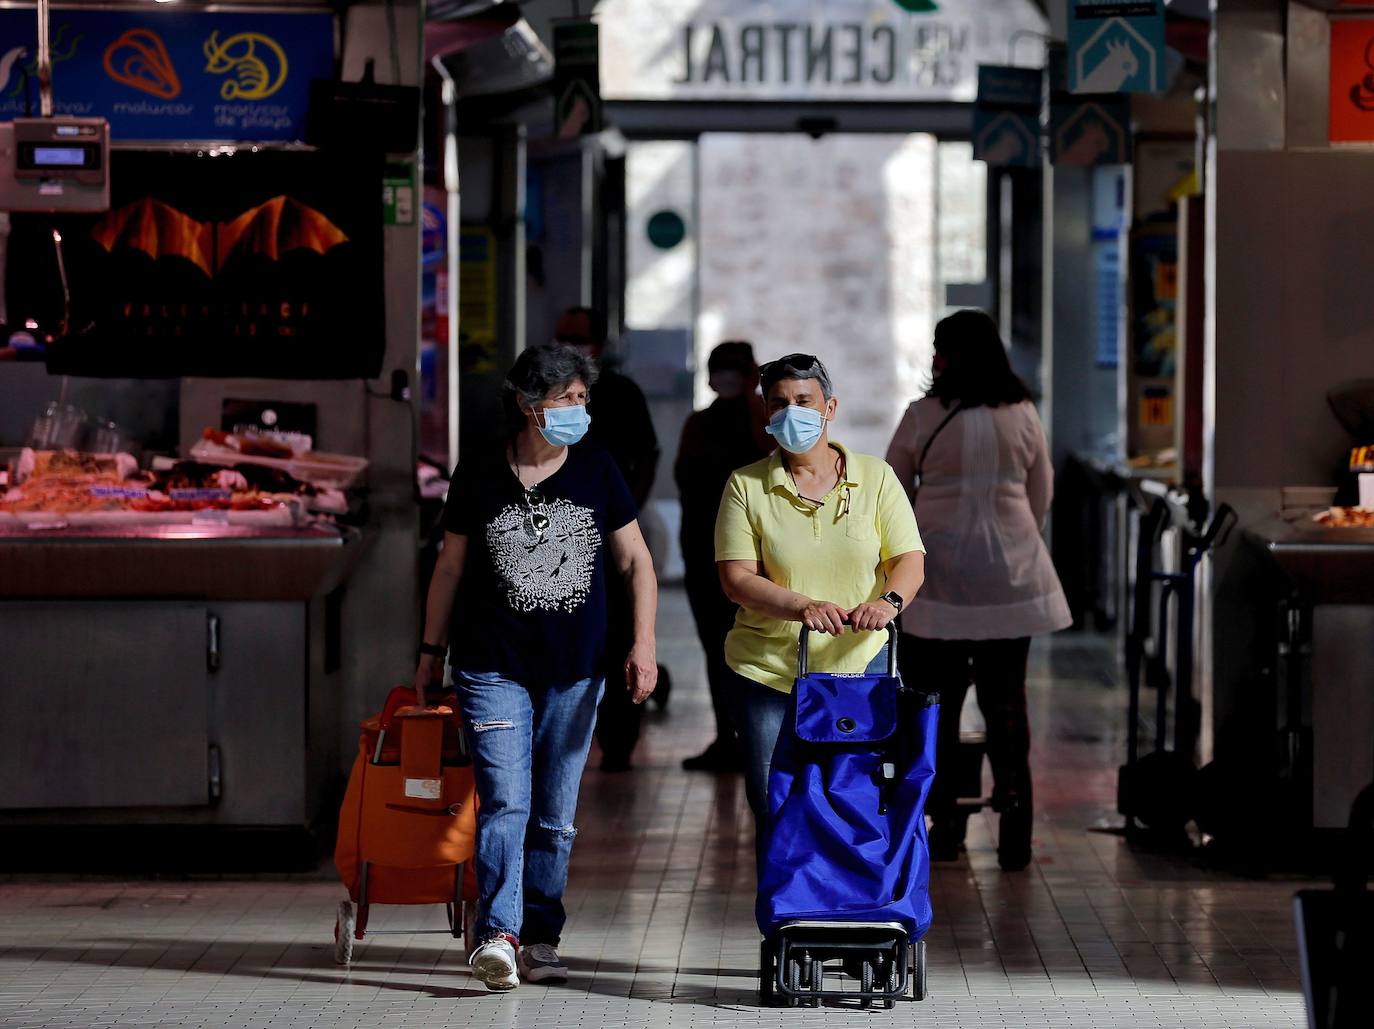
x=814 y=535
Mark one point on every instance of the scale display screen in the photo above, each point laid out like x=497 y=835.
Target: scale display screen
x=58 y=156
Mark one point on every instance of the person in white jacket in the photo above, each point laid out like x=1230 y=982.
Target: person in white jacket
x=973 y=458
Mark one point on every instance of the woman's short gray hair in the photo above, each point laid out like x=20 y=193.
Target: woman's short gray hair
x=545 y=367
x=796 y=366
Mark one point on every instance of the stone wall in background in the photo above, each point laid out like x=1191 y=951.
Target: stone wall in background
x=829 y=247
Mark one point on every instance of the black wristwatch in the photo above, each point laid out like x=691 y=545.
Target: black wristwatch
x=895 y=599
x=433 y=650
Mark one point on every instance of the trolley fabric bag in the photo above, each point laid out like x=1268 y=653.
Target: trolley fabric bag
x=409 y=816
x=847 y=791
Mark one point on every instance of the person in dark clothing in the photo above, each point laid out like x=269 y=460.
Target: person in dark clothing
x=716 y=441
x=620 y=415
x=535 y=531
x=622 y=426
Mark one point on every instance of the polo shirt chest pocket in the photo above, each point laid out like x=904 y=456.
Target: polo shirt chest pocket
x=859 y=525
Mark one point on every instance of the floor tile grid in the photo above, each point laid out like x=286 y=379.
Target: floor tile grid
x=662 y=932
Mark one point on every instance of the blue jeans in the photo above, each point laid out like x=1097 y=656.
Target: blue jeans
x=529 y=746
x=759 y=714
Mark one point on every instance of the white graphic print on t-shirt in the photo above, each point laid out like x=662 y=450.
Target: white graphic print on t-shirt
x=551 y=571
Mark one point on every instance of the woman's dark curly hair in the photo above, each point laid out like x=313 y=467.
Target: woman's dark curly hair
x=539 y=370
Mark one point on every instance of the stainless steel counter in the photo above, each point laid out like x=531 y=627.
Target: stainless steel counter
x=1329 y=566
x=176 y=561
x=171 y=675
x=1333 y=572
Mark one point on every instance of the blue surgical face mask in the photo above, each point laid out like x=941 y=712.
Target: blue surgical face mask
x=564 y=426
x=797 y=429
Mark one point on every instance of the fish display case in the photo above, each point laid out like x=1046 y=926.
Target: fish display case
x=170 y=642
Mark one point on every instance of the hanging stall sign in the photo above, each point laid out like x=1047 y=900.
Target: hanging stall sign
x=1088 y=133
x=171 y=74
x=577 y=78
x=1352 y=81
x=1006 y=120
x=902 y=50
x=398 y=194
x=1116 y=46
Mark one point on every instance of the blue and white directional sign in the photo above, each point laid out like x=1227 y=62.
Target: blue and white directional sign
x=1006 y=119
x=1116 y=46
x=1088 y=133
x=1006 y=139
x=1002 y=86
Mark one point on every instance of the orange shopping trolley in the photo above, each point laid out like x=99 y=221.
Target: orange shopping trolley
x=409 y=820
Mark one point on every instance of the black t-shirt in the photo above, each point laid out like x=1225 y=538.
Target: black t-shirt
x=532 y=604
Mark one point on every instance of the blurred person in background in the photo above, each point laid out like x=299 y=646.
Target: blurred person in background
x=535 y=532
x=717 y=440
x=972 y=455
x=621 y=425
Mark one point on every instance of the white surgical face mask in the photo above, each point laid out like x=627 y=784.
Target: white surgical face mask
x=564 y=426
x=797 y=429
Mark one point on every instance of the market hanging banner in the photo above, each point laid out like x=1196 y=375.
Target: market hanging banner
x=802 y=50
x=171 y=75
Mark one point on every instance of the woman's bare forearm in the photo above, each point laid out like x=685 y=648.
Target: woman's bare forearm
x=906 y=574
x=642 y=584
x=443 y=589
x=750 y=590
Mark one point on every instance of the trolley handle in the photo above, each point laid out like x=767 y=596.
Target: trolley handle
x=891 y=630
x=1220 y=528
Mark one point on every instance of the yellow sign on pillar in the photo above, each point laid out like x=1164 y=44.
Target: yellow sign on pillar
x=1156 y=406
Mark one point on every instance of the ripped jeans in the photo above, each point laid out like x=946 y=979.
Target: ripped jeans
x=529 y=747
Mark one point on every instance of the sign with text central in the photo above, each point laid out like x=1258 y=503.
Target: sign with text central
x=160 y=74
x=901 y=50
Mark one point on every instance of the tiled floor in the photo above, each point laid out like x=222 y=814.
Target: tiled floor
x=661 y=929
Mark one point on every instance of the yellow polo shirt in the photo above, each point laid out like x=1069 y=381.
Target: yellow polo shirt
x=831 y=553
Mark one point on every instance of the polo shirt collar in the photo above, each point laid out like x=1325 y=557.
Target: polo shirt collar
x=778 y=477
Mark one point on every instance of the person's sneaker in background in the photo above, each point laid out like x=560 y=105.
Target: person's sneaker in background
x=720 y=756
x=494 y=963
x=540 y=963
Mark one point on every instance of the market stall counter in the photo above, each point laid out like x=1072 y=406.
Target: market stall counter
x=165 y=659
x=1328 y=560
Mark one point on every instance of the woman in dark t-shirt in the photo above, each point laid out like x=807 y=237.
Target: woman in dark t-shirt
x=520 y=591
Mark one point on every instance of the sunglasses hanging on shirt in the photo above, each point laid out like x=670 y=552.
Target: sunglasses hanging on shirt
x=536 y=522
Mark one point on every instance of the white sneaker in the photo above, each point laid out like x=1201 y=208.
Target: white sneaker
x=540 y=963
x=494 y=965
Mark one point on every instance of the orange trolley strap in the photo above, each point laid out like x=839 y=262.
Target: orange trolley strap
x=422 y=751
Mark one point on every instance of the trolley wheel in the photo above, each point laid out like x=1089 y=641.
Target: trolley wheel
x=345 y=924
x=891 y=1002
x=767 y=968
x=810 y=972
x=918 y=970
x=794 y=982
x=866 y=983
